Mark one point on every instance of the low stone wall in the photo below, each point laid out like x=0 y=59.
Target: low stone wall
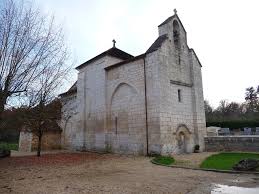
x=25 y=141
x=232 y=143
x=51 y=140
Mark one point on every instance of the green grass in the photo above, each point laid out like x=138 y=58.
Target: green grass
x=225 y=161
x=8 y=146
x=166 y=160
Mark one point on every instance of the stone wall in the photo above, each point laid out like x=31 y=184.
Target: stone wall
x=84 y=113
x=232 y=143
x=51 y=140
x=198 y=100
x=70 y=125
x=25 y=140
x=126 y=109
x=110 y=113
x=153 y=86
x=181 y=122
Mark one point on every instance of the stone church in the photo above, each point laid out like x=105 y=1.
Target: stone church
x=145 y=104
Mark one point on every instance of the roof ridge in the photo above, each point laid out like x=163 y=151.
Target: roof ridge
x=126 y=61
x=115 y=52
x=71 y=90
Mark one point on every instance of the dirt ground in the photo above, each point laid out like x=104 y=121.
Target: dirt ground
x=193 y=159
x=106 y=173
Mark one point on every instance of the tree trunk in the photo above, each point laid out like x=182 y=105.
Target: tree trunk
x=2 y=104
x=1 y=111
x=39 y=144
x=40 y=131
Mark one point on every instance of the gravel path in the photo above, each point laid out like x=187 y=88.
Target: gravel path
x=193 y=159
x=95 y=173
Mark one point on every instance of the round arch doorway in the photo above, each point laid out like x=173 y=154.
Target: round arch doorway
x=183 y=139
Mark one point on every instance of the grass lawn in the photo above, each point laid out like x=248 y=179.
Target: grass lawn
x=166 y=160
x=225 y=161
x=8 y=146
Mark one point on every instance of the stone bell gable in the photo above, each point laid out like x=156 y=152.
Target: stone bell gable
x=151 y=103
x=180 y=91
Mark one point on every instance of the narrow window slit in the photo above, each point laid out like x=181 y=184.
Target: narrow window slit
x=179 y=96
x=116 y=124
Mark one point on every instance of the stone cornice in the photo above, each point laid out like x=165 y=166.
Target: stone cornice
x=179 y=83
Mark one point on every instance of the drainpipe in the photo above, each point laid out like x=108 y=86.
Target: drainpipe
x=145 y=86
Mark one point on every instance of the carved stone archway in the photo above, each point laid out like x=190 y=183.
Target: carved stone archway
x=121 y=100
x=183 y=137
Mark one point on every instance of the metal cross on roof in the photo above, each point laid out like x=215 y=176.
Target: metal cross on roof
x=114 y=42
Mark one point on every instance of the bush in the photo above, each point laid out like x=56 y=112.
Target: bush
x=8 y=146
x=234 y=124
x=165 y=160
x=9 y=135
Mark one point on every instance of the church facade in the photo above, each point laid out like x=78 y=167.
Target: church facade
x=151 y=103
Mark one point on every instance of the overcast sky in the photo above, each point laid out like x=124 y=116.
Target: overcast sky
x=224 y=35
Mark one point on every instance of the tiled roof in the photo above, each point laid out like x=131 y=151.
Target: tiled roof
x=157 y=44
x=71 y=90
x=114 y=52
x=195 y=56
x=126 y=61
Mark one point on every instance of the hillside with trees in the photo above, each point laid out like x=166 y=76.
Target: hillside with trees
x=235 y=115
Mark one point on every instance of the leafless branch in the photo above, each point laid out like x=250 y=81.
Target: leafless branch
x=32 y=53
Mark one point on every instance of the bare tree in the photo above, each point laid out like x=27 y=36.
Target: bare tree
x=252 y=99
x=30 y=44
x=208 y=108
x=41 y=95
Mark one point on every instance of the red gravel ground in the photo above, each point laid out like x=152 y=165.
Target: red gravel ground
x=84 y=173
x=53 y=159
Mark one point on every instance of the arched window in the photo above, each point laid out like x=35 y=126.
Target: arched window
x=176 y=34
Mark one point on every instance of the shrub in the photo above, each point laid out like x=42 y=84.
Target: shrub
x=8 y=146
x=166 y=160
x=234 y=124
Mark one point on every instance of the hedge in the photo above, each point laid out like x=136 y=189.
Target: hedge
x=233 y=124
x=9 y=135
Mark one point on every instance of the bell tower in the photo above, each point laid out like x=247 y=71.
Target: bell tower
x=173 y=27
x=176 y=33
